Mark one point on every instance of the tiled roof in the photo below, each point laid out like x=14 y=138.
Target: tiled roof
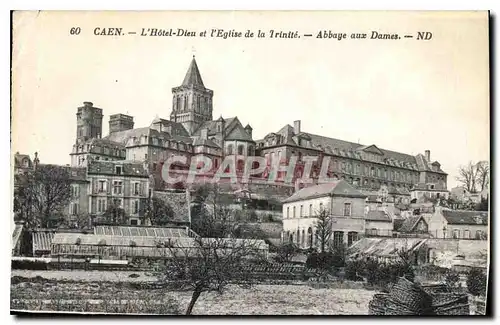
x=204 y=142
x=129 y=168
x=42 y=240
x=211 y=126
x=239 y=133
x=337 y=188
x=410 y=223
x=123 y=136
x=376 y=215
x=423 y=164
x=351 y=149
x=459 y=217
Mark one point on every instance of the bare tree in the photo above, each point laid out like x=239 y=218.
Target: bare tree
x=468 y=176
x=323 y=229
x=210 y=264
x=286 y=252
x=483 y=174
x=41 y=195
x=474 y=174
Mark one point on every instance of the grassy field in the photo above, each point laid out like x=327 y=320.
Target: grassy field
x=111 y=292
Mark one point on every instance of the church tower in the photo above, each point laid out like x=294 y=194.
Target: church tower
x=191 y=101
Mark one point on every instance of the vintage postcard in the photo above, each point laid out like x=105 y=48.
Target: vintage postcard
x=250 y=162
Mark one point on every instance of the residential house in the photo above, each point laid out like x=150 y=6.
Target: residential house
x=414 y=226
x=339 y=199
x=122 y=183
x=378 y=223
x=458 y=224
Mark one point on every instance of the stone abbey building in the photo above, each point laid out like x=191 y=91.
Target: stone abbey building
x=191 y=130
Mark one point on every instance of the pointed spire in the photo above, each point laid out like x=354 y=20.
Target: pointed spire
x=193 y=77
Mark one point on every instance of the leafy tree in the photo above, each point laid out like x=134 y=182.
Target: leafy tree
x=477 y=282
x=483 y=205
x=323 y=229
x=41 y=195
x=212 y=215
x=160 y=212
x=114 y=214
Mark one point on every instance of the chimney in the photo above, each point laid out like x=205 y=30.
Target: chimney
x=428 y=155
x=296 y=127
x=204 y=134
x=36 y=161
x=120 y=122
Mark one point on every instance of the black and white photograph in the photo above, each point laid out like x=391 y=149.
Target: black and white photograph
x=250 y=163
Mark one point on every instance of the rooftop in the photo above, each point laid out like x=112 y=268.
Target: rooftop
x=337 y=188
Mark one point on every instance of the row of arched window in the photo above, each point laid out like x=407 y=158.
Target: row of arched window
x=240 y=150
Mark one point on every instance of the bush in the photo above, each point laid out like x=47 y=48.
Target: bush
x=452 y=279
x=325 y=260
x=351 y=270
x=476 y=282
x=286 y=252
x=29 y=265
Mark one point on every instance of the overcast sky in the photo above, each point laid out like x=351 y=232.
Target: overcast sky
x=402 y=95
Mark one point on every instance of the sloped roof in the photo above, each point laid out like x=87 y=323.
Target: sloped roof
x=409 y=223
x=193 y=76
x=398 y=223
x=177 y=129
x=42 y=240
x=328 y=145
x=18 y=160
x=337 y=188
x=377 y=215
x=205 y=142
x=211 y=126
x=140 y=231
x=239 y=133
x=423 y=164
x=16 y=234
x=384 y=246
x=460 y=217
x=129 y=168
x=123 y=136
x=144 y=241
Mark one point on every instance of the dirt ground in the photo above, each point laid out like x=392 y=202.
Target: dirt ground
x=94 y=296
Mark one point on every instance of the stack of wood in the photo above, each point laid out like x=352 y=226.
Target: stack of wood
x=408 y=298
